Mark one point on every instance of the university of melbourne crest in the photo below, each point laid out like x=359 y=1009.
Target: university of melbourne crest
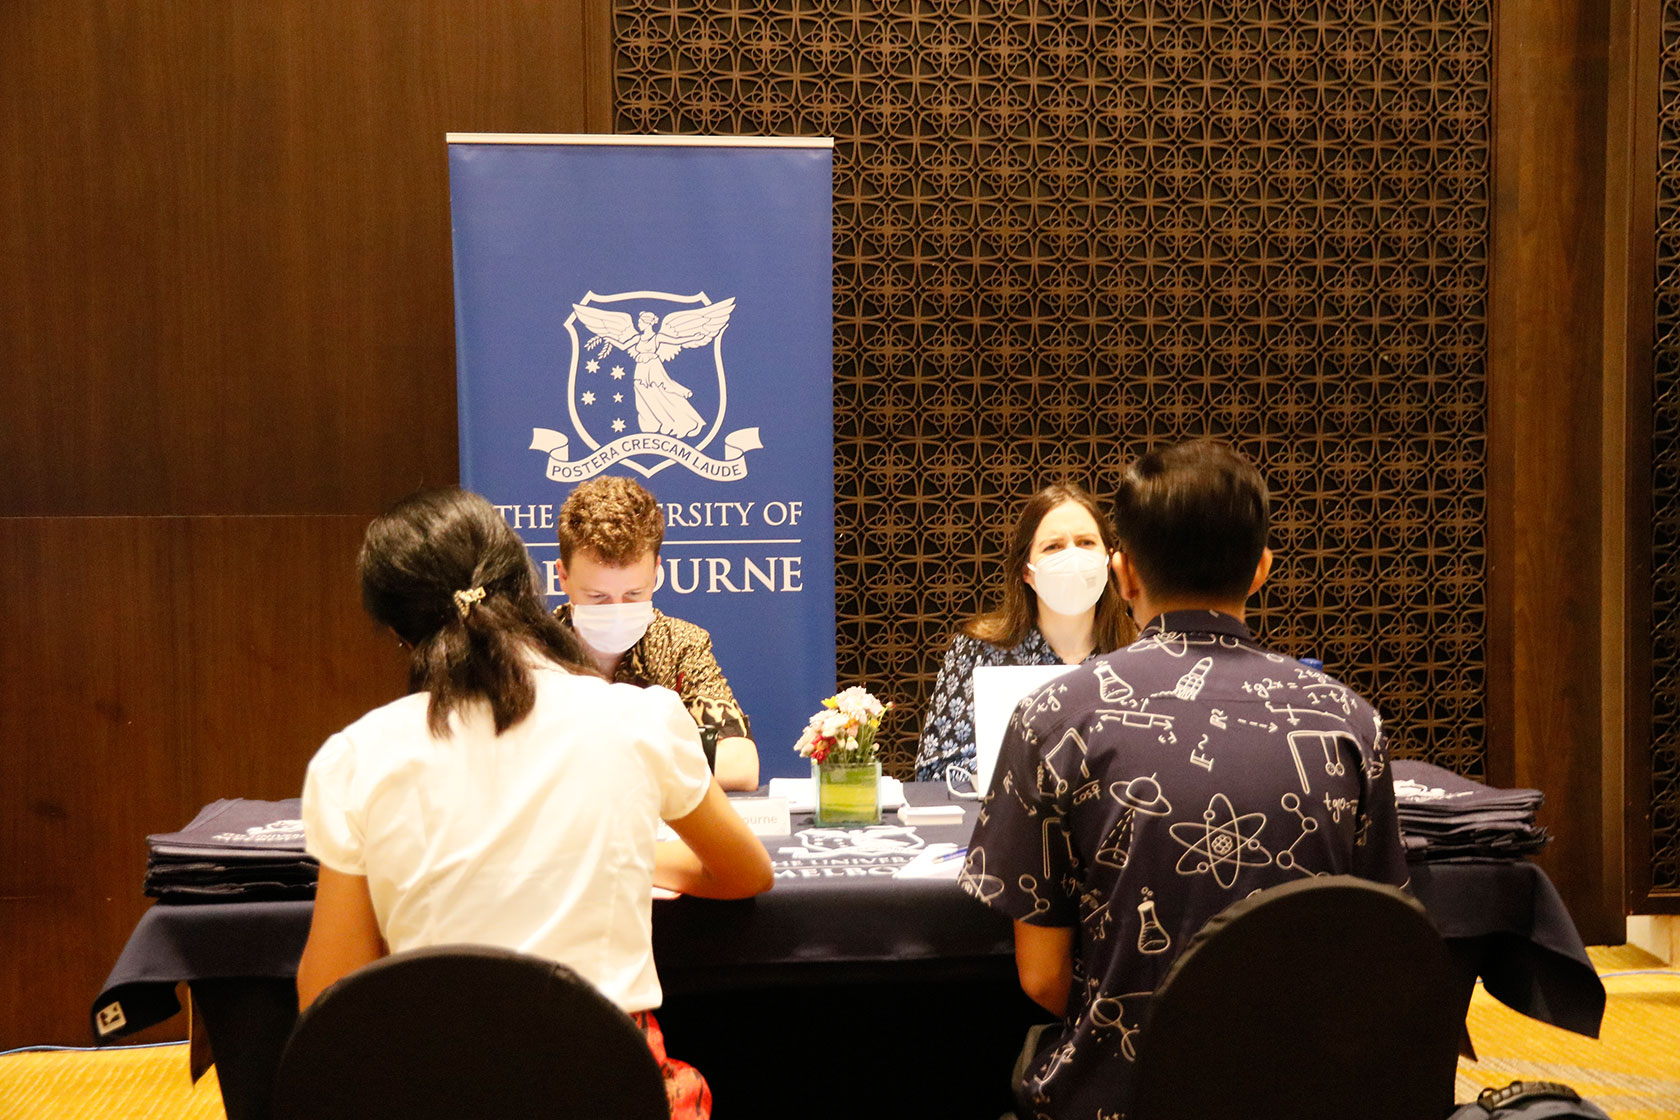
x=646 y=387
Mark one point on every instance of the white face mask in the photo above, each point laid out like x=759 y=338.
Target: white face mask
x=611 y=627
x=1072 y=580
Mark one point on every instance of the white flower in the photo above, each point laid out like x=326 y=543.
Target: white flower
x=858 y=703
x=842 y=724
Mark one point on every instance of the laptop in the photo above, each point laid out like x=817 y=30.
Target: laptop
x=997 y=689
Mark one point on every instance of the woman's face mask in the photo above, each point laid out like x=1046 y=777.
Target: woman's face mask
x=611 y=627
x=1071 y=580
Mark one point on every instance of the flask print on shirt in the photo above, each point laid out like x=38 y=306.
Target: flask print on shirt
x=1152 y=938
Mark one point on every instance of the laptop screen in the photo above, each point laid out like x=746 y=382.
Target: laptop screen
x=997 y=689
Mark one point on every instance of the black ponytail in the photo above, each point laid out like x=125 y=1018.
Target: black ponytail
x=443 y=570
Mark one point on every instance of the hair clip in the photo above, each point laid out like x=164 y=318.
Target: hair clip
x=464 y=600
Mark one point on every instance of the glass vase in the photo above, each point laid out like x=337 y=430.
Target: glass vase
x=847 y=793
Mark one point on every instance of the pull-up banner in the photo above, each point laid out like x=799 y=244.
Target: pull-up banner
x=662 y=308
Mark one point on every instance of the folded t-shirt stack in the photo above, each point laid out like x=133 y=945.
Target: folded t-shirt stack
x=235 y=851
x=1446 y=817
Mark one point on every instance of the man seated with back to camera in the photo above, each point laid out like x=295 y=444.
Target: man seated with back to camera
x=610 y=530
x=1140 y=795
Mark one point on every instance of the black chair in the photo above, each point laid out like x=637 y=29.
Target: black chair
x=1325 y=998
x=466 y=1031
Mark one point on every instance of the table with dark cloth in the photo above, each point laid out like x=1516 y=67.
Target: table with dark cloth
x=1506 y=923
x=840 y=958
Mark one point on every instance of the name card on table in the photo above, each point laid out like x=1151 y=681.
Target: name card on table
x=766 y=816
x=930 y=814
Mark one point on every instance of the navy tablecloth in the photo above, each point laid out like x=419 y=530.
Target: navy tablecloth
x=835 y=903
x=838 y=940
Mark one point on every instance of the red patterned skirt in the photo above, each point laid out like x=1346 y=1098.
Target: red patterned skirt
x=686 y=1090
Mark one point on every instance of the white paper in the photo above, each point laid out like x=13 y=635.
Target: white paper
x=936 y=861
x=997 y=690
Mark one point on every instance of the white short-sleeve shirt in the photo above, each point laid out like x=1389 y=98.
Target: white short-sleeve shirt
x=539 y=839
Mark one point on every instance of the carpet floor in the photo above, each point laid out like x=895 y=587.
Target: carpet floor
x=133 y=1083
x=1631 y=1071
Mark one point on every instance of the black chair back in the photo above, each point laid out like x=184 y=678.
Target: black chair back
x=1325 y=998
x=466 y=1031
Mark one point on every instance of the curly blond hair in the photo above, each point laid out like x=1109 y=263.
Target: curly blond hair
x=613 y=518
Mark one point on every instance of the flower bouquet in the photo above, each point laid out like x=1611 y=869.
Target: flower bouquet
x=840 y=742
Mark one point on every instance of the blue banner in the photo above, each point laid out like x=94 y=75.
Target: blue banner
x=662 y=308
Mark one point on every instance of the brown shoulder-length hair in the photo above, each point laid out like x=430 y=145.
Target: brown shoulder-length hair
x=443 y=570
x=1007 y=624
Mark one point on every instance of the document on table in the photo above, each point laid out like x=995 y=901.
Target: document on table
x=936 y=861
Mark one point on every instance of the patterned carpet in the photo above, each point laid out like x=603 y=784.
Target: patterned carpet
x=138 y=1083
x=1632 y=1071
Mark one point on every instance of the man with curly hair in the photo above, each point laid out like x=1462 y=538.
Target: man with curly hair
x=610 y=530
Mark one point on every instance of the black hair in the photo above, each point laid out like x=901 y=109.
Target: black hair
x=1193 y=519
x=424 y=564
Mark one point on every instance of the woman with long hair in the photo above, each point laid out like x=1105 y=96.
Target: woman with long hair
x=514 y=797
x=1059 y=605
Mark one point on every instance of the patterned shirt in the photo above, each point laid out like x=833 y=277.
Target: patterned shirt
x=678 y=655
x=1134 y=801
x=948 y=733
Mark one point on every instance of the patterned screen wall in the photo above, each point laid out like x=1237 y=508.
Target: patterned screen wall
x=1065 y=232
x=1665 y=480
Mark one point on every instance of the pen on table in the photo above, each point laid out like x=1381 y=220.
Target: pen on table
x=946 y=856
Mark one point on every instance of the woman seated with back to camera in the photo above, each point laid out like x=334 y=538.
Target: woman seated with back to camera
x=1060 y=606
x=514 y=798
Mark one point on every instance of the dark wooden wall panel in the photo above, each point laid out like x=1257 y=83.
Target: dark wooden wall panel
x=171 y=661
x=226 y=264
x=86 y=745
x=1573 y=323
x=1551 y=633
x=226 y=316
x=1634 y=54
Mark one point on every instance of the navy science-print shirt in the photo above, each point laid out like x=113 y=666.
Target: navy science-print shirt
x=1137 y=798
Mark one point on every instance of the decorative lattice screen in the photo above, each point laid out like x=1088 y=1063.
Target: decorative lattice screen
x=1065 y=232
x=1665 y=478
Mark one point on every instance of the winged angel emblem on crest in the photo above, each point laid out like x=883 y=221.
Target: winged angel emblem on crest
x=662 y=404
